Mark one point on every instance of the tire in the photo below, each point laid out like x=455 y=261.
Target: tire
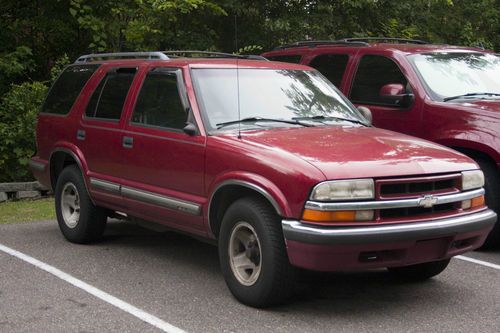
x=261 y=275
x=492 y=187
x=79 y=219
x=419 y=272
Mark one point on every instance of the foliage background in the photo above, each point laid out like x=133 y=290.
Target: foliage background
x=37 y=38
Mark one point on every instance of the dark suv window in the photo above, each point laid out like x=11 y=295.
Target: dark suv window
x=66 y=89
x=373 y=73
x=108 y=98
x=332 y=66
x=159 y=102
x=286 y=58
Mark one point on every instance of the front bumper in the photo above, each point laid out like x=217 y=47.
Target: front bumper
x=347 y=248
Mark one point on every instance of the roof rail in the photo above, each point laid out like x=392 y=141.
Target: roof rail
x=314 y=43
x=385 y=39
x=202 y=54
x=155 y=55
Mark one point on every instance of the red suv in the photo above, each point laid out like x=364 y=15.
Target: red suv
x=446 y=94
x=267 y=159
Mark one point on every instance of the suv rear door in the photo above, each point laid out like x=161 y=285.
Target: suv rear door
x=99 y=134
x=164 y=175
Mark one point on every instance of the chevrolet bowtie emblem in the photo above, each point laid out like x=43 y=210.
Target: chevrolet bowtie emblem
x=428 y=201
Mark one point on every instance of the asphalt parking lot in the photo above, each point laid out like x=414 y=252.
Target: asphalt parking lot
x=176 y=282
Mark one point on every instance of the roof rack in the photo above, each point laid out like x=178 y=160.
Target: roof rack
x=194 y=53
x=314 y=43
x=362 y=41
x=155 y=55
x=384 y=39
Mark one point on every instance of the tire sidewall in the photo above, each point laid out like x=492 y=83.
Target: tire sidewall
x=72 y=175
x=240 y=212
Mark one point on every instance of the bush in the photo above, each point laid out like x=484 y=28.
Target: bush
x=18 y=115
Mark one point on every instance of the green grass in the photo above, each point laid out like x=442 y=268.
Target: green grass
x=27 y=211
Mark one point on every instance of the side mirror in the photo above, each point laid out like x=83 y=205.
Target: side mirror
x=190 y=129
x=396 y=93
x=367 y=113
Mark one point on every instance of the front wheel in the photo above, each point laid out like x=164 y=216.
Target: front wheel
x=79 y=219
x=419 y=272
x=253 y=255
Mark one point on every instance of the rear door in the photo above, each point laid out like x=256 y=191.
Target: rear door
x=100 y=134
x=164 y=174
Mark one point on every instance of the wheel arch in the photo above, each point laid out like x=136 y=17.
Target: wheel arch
x=231 y=190
x=60 y=158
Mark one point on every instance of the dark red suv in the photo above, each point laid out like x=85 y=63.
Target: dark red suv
x=267 y=159
x=446 y=94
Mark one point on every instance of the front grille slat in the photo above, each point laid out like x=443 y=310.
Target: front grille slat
x=405 y=188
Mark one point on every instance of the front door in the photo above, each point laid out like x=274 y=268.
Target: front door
x=164 y=175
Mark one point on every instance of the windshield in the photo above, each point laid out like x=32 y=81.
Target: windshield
x=457 y=74
x=266 y=94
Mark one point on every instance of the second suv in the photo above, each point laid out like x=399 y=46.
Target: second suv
x=266 y=159
x=446 y=94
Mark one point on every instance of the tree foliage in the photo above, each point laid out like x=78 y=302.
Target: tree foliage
x=37 y=38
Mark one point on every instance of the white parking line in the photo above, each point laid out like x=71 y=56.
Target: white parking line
x=479 y=262
x=129 y=308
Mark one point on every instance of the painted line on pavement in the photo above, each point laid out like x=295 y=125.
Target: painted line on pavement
x=129 y=308
x=479 y=262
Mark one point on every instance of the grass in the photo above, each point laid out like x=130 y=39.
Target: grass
x=27 y=211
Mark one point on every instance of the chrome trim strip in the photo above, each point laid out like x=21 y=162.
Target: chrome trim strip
x=105 y=185
x=388 y=204
x=302 y=232
x=38 y=166
x=156 y=199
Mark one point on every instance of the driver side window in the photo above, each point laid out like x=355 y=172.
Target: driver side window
x=159 y=103
x=373 y=73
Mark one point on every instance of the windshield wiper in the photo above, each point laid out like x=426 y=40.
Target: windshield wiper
x=255 y=119
x=330 y=118
x=469 y=95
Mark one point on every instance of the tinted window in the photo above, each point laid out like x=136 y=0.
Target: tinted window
x=373 y=73
x=108 y=98
x=286 y=58
x=66 y=89
x=332 y=66
x=159 y=102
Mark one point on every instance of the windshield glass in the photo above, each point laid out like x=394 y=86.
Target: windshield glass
x=271 y=94
x=455 y=74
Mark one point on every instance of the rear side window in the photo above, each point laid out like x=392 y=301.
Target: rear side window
x=65 y=90
x=159 y=103
x=373 y=73
x=108 y=98
x=286 y=58
x=332 y=66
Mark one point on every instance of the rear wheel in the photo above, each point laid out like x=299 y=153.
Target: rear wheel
x=79 y=219
x=253 y=255
x=492 y=187
x=419 y=272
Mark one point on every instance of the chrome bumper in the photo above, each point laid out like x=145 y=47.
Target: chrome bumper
x=307 y=233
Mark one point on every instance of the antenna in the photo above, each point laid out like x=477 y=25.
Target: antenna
x=237 y=74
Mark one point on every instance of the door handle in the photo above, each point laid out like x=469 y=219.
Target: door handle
x=128 y=142
x=80 y=135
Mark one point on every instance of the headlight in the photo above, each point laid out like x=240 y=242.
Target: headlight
x=472 y=179
x=355 y=189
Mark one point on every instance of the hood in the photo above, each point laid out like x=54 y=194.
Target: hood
x=488 y=107
x=357 y=152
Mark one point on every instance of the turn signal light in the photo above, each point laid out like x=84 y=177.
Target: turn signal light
x=337 y=216
x=474 y=202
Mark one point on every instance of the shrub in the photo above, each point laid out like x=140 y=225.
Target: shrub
x=18 y=114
